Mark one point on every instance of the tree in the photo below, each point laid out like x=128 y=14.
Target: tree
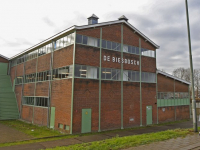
x=184 y=73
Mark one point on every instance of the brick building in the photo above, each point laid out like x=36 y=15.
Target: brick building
x=90 y=78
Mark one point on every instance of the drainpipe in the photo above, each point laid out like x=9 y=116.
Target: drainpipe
x=35 y=89
x=140 y=84
x=122 y=77
x=100 y=80
x=73 y=74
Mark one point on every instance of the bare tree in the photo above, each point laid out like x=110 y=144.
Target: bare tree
x=184 y=73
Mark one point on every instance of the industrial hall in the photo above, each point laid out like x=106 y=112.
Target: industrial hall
x=91 y=78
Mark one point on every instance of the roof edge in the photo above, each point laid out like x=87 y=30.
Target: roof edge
x=115 y=22
x=44 y=41
x=84 y=27
x=4 y=57
x=173 y=77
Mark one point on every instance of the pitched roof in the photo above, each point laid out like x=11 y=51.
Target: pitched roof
x=93 y=16
x=85 y=27
x=173 y=77
x=4 y=57
x=123 y=18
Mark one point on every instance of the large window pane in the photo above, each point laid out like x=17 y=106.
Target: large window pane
x=114 y=74
x=108 y=45
x=125 y=75
x=103 y=73
x=85 y=39
x=125 y=48
x=108 y=74
x=103 y=43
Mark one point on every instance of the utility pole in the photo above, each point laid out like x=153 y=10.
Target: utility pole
x=191 y=70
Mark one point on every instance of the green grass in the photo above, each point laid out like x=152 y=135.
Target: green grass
x=128 y=141
x=42 y=132
x=30 y=129
x=37 y=140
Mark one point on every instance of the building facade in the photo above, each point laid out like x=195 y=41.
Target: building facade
x=97 y=77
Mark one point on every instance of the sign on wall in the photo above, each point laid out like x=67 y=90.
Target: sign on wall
x=123 y=61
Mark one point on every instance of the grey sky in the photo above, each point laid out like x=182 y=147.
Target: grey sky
x=26 y=23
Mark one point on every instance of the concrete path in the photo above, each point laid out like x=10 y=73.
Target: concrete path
x=8 y=134
x=99 y=137
x=190 y=142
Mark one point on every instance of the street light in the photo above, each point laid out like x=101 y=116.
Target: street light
x=191 y=74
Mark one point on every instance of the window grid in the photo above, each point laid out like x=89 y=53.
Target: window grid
x=86 y=40
x=36 y=101
x=172 y=95
x=62 y=42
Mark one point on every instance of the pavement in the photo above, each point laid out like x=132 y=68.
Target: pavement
x=168 y=144
x=190 y=142
x=8 y=134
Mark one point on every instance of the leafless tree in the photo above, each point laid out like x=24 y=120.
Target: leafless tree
x=184 y=73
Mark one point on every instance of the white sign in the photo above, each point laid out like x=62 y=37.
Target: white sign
x=123 y=61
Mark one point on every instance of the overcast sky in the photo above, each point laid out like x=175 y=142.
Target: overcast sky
x=25 y=23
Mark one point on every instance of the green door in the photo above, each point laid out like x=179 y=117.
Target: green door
x=52 y=121
x=86 y=121
x=149 y=114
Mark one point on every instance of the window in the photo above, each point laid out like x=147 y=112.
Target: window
x=85 y=39
x=103 y=43
x=19 y=80
x=110 y=74
x=108 y=45
x=61 y=73
x=66 y=40
x=125 y=48
x=86 y=71
x=41 y=101
x=28 y=100
x=79 y=38
x=125 y=75
x=29 y=78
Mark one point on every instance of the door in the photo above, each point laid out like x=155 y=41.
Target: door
x=86 y=121
x=52 y=121
x=149 y=114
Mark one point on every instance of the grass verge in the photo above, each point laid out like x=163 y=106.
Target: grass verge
x=30 y=129
x=128 y=141
x=40 y=132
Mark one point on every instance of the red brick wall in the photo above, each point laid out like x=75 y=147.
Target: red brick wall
x=166 y=84
x=173 y=113
x=182 y=112
x=110 y=105
x=29 y=89
x=63 y=57
x=131 y=104
x=181 y=87
x=93 y=32
x=40 y=116
x=42 y=88
x=61 y=100
x=27 y=113
x=131 y=38
x=19 y=70
x=86 y=95
x=30 y=66
x=86 y=55
x=44 y=62
x=148 y=64
x=149 y=99
x=3 y=60
x=166 y=114
x=12 y=74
